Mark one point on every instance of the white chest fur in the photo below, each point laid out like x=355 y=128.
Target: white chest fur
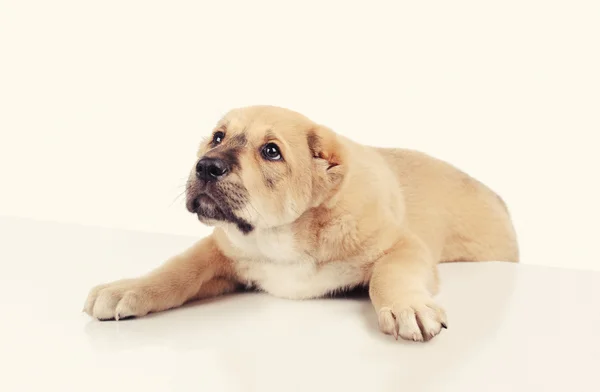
x=272 y=261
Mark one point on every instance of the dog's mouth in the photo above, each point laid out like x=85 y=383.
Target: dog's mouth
x=209 y=207
x=205 y=205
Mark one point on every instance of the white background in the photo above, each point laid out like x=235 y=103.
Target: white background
x=102 y=104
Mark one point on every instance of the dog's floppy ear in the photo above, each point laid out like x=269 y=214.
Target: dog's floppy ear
x=328 y=162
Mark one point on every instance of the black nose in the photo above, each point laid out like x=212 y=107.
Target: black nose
x=211 y=169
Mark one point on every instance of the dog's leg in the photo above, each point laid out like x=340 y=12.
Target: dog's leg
x=216 y=287
x=401 y=288
x=197 y=273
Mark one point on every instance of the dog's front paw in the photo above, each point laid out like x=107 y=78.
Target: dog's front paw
x=119 y=300
x=419 y=319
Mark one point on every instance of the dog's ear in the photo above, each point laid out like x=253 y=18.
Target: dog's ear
x=328 y=162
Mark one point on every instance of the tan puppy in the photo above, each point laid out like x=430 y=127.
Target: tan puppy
x=301 y=212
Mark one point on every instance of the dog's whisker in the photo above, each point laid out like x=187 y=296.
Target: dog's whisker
x=176 y=198
x=187 y=186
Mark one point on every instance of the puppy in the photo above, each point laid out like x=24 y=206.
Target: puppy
x=300 y=211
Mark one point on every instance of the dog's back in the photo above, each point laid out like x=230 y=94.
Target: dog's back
x=459 y=217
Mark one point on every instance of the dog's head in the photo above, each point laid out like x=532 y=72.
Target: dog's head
x=263 y=167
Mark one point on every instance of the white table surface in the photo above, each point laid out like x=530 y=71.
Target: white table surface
x=511 y=328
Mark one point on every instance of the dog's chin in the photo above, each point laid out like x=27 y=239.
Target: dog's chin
x=208 y=209
x=210 y=212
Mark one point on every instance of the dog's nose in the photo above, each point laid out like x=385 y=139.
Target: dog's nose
x=211 y=169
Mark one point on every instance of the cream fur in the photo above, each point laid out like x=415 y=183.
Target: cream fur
x=340 y=214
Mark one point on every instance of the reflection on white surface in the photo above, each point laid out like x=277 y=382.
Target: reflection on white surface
x=511 y=327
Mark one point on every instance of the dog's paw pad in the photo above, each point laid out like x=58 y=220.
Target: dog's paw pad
x=417 y=322
x=117 y=301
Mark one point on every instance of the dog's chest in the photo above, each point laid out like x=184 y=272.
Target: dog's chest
x=275 y=263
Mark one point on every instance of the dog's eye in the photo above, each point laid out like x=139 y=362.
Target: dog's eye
x=271 y=152
x=218 y=138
